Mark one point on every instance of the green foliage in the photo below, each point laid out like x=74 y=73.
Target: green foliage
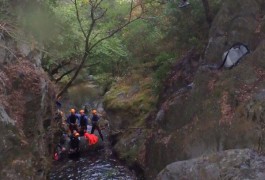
x=68 y=41
x=4 y=5
x=142 y=38
x=188 y=25
x=164 y=62
x=164 y=33
x=105 y=81
x=111 y=54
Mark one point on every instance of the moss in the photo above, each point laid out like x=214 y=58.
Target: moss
x=130 y=145
x=130 y=156
x=132 y=98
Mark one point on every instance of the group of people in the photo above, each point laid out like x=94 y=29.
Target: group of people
x=78 y=123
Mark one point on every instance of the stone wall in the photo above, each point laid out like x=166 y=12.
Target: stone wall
x=26 y=105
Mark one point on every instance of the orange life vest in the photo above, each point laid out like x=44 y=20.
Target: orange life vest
x=91 y=138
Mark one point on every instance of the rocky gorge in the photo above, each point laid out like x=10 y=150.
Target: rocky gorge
x=26 y=110
x=205 y=123
x=201 y=110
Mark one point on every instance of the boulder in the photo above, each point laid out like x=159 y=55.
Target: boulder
x=236 y=21
x=230 y=164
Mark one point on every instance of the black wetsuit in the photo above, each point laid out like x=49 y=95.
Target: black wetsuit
x=83 y=122
x=72 y=121
x=74 y=146
x=95 y=125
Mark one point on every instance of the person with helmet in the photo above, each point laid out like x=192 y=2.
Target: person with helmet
x=60 y=150
x=94 y=120
x=83 y=122
x=72 y=120
x=74 y=143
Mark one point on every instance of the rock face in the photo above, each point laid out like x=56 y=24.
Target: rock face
x=223 y=109
x=237 y=21
x=231 y=164
x=127 y=108
x=26 y=111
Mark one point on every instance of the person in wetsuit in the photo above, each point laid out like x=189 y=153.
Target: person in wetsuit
x=94 y=120
x=83 y=122
x=72 y=120
x=74 y=144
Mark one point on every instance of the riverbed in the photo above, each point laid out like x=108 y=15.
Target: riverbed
x=92 y=165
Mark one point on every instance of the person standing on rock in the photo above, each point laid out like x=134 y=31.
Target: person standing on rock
x=72 y=120
x=83 y=122
x=94 y=120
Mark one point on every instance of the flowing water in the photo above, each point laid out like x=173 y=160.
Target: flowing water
x=94 y=165
x=98 y=164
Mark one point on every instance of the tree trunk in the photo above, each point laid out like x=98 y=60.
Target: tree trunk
x=64 y=74
x=74 y=77
x=207 y=10
x=88 y=46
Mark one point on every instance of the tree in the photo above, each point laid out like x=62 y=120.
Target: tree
x=92 y=37
x=207 y=10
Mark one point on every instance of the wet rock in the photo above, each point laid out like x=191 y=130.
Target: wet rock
x=134 y=89
x=121 y=95
x=260 y=95
x=230 y=164
x=5 y=118
x=26 y=102
x=235 y=22
x=160 y=115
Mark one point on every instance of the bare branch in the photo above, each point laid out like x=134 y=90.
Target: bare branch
x=96 y=35
x=112 y=33
x=96 y=6
x=9 y=50
x=64 y=74
x=102 y=15
x=71 y=70
x=88 y=46
x=119 y=28
x=131 y=10
x=78 y=19
x=59 y=66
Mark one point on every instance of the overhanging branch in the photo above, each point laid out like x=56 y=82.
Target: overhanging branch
x=78 y=19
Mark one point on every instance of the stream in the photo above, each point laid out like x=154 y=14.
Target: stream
x=91 y=166
x=95 y=164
